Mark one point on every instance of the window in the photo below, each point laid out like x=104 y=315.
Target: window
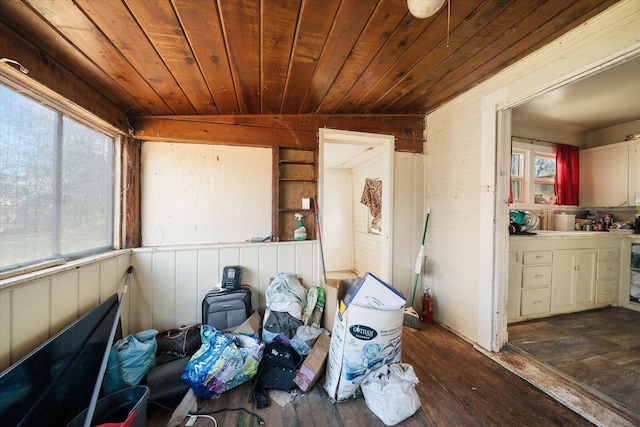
x=533 y=171
x=56 y=184
x=544 y=177
x=517 y=175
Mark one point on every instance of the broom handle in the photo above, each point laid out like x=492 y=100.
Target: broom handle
x=418 y=268
x=317 y=212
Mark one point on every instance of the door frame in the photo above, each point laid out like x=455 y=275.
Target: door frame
x=387 y=143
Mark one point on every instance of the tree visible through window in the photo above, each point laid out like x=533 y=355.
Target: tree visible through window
x=56 y=184
x=533 y=171
x=544 y=176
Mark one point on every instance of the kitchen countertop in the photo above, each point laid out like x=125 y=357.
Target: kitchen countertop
x=566 y=235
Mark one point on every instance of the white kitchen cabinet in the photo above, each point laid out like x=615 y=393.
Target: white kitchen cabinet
x=562 y=275
x=573 y=280
x=634 y=171
x=529 y=284
x=607 y=275
x=604 y=175
x=515 y=284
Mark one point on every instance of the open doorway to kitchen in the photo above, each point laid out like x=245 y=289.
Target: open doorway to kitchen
x=350 y=164
x=595 y=348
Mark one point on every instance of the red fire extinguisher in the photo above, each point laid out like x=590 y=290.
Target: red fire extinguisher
x=427 y=308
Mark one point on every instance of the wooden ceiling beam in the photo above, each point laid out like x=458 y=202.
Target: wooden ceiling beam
x=277 y=130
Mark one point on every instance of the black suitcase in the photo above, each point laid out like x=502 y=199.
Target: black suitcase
x=225 y=309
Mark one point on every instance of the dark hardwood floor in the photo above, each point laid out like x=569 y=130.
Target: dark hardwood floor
x=599 y=348
x=459 y=386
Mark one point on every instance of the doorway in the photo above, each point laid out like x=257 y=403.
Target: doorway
x=584 y=350
x=350 y=245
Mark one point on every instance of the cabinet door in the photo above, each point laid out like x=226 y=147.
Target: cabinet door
x=634 y=172
x=585 y=279
x=515 y=281
x=604 y=176
x=563 y=280
x=535 y=302
x=606 y=291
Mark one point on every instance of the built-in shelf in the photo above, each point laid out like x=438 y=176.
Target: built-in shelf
x=295 y=177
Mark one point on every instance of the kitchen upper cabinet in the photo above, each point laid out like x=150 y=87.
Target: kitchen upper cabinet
x=604 y=176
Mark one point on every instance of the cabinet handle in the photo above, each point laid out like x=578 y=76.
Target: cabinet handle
x=607 y=292
x=539 y=257
x=608 y=269
x=538 y=301
x=517 y=256
x=538 y=276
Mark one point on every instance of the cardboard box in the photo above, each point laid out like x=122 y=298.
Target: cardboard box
x=251 y=326
x=313 y=365
x=371 y=292
x=363 y=339
x=334 y=289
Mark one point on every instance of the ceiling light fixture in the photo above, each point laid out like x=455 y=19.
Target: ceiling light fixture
x=424 y=8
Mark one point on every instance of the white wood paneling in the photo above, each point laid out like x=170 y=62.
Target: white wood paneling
x=186 y=288
x=5 y=330
x=88 y=295
x=172 y=281
x=367 y=246
x=64 y=300
x=163 y=281
x=36 y=306
x=409 y=213
x=30 y=308
x=460 y=140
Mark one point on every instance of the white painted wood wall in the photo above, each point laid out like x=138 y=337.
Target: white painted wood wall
x=166 y=288
x=466 y=277
x=367 y=246
x=171 y=282
x=35 y=307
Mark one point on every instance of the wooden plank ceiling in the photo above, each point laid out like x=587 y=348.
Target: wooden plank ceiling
x=273 y=58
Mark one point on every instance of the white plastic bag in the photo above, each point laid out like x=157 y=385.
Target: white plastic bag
x=390 y=392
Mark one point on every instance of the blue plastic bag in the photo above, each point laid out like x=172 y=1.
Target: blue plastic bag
x=223 y=362
x=129 y=361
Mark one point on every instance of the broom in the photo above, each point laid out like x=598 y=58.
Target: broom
x=411 y=317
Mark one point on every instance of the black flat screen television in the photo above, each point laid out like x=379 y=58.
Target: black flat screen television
x=54 y=383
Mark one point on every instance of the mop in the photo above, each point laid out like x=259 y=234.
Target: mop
x=411 y=317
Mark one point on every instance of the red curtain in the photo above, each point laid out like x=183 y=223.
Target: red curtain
x=567 y=182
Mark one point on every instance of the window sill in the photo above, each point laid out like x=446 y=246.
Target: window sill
x=46 y=269
x=540 y=207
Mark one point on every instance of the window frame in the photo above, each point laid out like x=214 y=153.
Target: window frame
x=65 y=108
x=530 y=149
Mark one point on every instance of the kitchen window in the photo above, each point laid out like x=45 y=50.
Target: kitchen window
x=533 y=171
x=56 y=184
